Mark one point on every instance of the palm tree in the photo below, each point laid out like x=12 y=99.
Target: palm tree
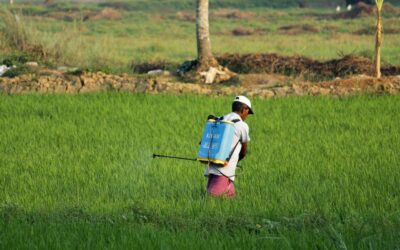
x=205 y=67
x=205 y=58
x=378 y=38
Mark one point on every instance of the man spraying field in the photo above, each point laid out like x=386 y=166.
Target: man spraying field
x=222 y=146
x=222 y=175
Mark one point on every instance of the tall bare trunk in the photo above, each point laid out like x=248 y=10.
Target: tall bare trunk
x=204 y=54
x=378 y=43
x=11 y=2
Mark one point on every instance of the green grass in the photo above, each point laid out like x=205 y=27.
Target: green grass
x=77 y=171
x=151 y=5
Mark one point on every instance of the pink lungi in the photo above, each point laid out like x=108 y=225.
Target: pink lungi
x=220 y=186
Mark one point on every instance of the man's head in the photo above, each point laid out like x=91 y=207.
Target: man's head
x=242 y=106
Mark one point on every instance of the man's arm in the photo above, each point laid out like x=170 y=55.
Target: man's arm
x=243 y=151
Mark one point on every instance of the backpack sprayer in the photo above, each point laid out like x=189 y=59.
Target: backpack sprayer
x=216 y=143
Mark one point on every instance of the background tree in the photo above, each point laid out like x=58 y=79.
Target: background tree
x=378 y=38
x=11 y=1
x=205 y=58
x=205 y=67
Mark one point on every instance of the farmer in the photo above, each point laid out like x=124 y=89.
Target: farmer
x=220 y=179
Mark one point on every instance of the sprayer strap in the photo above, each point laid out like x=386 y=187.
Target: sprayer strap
x=231 y=153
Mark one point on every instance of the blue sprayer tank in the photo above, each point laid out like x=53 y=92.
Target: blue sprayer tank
x=216 y=142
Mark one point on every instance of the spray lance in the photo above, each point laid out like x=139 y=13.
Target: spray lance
x=174 y=157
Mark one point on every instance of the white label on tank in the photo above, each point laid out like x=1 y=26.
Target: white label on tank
x=214 y=136
x=214 y=145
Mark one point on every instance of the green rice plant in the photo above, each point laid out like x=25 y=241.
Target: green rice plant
x=76 y=171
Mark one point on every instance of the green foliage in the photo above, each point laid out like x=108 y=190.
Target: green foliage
x=379 y=4
x=20 y=70
x=77 y=172
x=15 y=60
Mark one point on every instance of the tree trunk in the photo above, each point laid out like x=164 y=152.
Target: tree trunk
x=205 y=58
x=378 y=42
x=11 y=2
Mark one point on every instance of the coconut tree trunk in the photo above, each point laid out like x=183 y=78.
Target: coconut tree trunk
x=205 y=58
x=378 y=38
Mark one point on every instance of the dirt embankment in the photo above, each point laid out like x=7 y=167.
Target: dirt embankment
x=261 y=85
x=302 y=66
x=264 y=75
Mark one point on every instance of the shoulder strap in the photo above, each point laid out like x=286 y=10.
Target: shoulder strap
x=233 y=150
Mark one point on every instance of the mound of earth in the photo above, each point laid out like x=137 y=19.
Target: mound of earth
x=302 y=66
x=104 y=14
x=244 y=31
x=297 y=29
x=232 y=14
x=144 y=67
x=364 y=10
x=260 y=85
x=360 y=10
x=185 y=16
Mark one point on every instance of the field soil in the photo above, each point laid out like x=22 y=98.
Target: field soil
x=300 y=65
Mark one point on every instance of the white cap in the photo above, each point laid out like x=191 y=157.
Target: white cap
x=245 y=100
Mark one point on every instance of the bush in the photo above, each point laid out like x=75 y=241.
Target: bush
x=15 y=60
x=21 y=70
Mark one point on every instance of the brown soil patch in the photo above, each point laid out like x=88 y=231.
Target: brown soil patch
x=233 y=14
x=243 y=31
x=144 y=67
x=104 y=14
x=263 y=85
x=390 y=9
x=360 y=10
x=365 y=10
x=185 y=16
x=219 y=13
x=302 y=66
x=361 y=84
x=298 y=29
x=266 y=80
